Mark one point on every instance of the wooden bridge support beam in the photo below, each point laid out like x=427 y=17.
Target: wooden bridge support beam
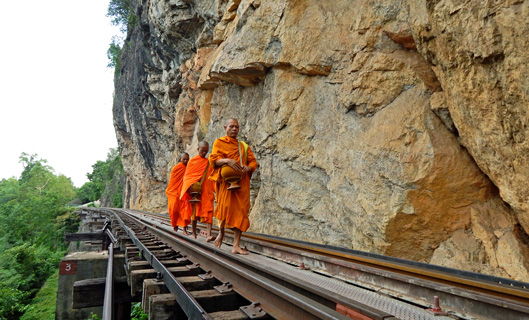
x=164 y=307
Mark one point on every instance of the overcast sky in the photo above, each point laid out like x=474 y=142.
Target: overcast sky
x=55 y=88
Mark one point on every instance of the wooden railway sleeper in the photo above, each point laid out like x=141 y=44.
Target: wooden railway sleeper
x=278 y=298
x=216 y=303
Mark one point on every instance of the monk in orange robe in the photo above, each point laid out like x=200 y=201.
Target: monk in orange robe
x=233 y=206
x=198 y=171
x=173 y=193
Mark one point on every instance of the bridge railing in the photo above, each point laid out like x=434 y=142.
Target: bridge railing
x=108 y=302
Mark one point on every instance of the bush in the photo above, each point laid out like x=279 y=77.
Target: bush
x=11 y=305
x=137 y=312
x=42 y=307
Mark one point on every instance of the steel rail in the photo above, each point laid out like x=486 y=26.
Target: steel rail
x=492 y=290
x=410 y=268
x=406 y=286
x=187 y=302
x=279 y=301
x=111 y=236
x=108 y=301
x=452 y=276
x=319 y=294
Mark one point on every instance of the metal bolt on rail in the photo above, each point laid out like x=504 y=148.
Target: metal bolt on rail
x=436 y=309
x=253 y=311
x=223 y=288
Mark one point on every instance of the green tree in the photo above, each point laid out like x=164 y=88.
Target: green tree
x=34 y=215
x=114 y=53
x=88 y=192
x=122 y=15
x=106 y=182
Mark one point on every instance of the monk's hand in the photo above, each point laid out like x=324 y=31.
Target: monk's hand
x=246 y=169
x=234 y=164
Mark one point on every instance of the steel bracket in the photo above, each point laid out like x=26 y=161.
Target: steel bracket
x=224 y=288
x=193 y=266
x=182 y=259
x=253 y=311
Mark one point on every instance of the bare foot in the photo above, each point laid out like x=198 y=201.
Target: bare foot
x=184 y=231
x=209 y=238
x=219 y=238
x=238 y=250
x=175 y=229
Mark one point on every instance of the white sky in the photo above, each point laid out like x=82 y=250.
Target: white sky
x=55 y=88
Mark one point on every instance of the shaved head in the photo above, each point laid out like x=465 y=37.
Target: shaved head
x=184 y=158
x=203 y=148
x=230 y=119
x=232 y=128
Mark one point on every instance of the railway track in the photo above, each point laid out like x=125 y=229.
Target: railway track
x=286 y=279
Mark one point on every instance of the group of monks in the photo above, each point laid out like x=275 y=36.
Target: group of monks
x=232 y=206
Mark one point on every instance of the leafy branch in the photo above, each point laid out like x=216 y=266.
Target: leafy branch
x=122 y=15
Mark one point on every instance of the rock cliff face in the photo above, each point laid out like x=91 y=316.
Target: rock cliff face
x=395 y=127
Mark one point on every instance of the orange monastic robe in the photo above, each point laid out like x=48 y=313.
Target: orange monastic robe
x=233 y=206
x=173 y=195
x=204 y=209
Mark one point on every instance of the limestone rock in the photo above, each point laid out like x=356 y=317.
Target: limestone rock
x=395 y=127
x=480 y=55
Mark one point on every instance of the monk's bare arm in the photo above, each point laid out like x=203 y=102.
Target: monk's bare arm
x=217 y=158
x=230 y=162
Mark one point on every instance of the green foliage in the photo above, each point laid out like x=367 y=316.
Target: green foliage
x=88 y=192
x=42 y=307
x=122 y=15
x=67 y=221
x=117 y=201
x=137 y=312
x=33 y=218
x=11 y=302
x=33 y=168
x=106 y=182
x=29 y=266
x=114 y=53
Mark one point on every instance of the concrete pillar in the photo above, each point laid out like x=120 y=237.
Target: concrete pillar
x=82 y=266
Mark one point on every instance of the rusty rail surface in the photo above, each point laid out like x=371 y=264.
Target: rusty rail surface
x=278 y=301
x=467 y=294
